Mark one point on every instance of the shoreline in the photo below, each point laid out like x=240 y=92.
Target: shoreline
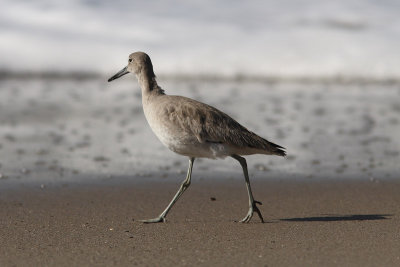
x=208 y=77
x=200 y=176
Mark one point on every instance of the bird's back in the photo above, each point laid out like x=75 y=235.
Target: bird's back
x=186 y=125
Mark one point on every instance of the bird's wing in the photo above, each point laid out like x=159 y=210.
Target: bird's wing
x=201 y=120
x=209 y=124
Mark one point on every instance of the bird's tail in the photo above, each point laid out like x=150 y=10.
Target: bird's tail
x=277 y=149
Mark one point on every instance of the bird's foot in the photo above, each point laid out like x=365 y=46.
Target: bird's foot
x=253 y=208
x=154 y=220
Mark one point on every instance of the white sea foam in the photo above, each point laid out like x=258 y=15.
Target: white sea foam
x=306 y=38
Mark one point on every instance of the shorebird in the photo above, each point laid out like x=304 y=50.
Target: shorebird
x=194 y=129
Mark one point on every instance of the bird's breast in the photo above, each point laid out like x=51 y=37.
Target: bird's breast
x=178 y=138
x=167 y=130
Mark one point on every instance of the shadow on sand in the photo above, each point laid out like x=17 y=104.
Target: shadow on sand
x=338 y=218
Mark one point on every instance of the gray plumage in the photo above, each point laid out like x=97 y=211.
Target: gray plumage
x=194 y=129
x=209 y=124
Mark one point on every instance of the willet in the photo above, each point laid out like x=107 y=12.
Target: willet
x=193 y=129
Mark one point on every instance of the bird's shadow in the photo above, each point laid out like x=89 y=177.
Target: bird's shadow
x=339 y=218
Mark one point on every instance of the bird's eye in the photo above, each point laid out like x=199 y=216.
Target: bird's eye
x=130 y=60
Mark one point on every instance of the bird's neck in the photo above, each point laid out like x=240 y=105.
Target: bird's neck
x=149 y=85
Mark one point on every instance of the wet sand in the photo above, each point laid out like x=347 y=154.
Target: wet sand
x=61 y=130
x=309 y=223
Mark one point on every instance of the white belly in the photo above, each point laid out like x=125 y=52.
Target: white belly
x=182 y=142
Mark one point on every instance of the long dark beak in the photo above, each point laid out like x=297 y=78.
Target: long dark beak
x=119 y=74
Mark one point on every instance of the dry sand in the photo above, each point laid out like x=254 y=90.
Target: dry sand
x=309 y=223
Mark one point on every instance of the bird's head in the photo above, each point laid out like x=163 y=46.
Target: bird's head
x=138 y=63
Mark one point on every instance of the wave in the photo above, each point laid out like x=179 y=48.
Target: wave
x=179 y=77
x=304 y=38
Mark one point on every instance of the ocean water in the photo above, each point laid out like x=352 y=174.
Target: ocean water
x=65 y=130
x=309 y=38
x=61 y=131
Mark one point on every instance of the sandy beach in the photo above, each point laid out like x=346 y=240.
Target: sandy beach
x=79 y=167
x=308 y=223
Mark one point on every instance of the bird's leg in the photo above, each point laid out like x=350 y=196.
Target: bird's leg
x=185 y=184
x=252 y=203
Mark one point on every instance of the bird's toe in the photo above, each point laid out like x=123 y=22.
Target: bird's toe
x=154 y=220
